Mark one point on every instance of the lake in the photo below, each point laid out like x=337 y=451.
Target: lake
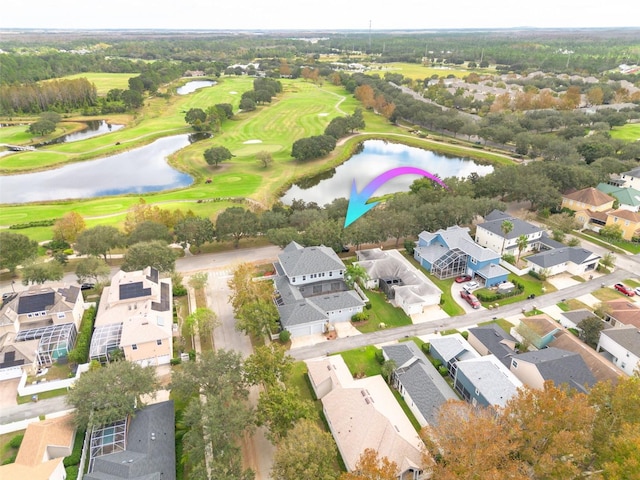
x=194 y=85
x=377 y=157
x=94 y=128
x=141 y=170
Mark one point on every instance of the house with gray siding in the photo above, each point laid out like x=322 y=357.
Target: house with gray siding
x=622 y=347
x=450 y=349
x=490 y=234
x=422 y=387
x=310 y=292
x=485 y=381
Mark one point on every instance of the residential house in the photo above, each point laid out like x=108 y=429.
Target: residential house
x=622 y=347
x=450 y=349
x=50 y=316
x=452 y=252
x=404 y=285
x=630 y=179
x=560 y=366
x=144 y=450
x=311 y=294
x=16 y=357
x=572 y=318
x=490 y=234
x=135 y=316
x=544 y=331
x=628 y=198
x=574 y=260
x=422 y=387
x=485 y=381
x=364 y=414
x=588 y=199
x=42 y=451
x=629 y=222
x=621 y=312
x=493 y=340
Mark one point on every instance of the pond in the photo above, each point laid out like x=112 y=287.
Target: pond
x=194 y=85
x=94 y=128
x=141 y=170
x=377 y=157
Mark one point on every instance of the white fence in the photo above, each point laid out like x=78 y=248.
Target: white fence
x=24 y=390
x=10 y=373
x=514 y=269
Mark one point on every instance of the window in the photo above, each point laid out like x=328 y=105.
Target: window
x=331 y=274
x=626 y=223
x=473 y=260
x=477 y=392
x=134 y=347
x=514 y=364
x=304 y=277
x=159 y=341
x=61 y=314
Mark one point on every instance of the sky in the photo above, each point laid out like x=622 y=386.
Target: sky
x=318 y=15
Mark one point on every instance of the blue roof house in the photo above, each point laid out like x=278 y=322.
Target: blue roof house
x=452 y=252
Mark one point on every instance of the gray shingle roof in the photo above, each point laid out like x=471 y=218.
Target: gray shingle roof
x=420 y=379
x=493 y=337
x=557 y=256
x=337 y=301
x=560 y=366
x=150 y=453
x=626 y=337
x=453 y=237
x=494 y=221
x=300 y=313
x=576 y=316
x=296 y=260
x=450 y=347
x=494 y=382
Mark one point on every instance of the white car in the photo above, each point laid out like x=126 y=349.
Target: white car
x=471 y=286
x=637 y=290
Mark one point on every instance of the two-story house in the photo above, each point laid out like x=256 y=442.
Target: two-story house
x=135 y=316
x=628 y=198
x=588 y=199
x=39 y=325
x=311 y=294
x=452 y=252
x=491 y=233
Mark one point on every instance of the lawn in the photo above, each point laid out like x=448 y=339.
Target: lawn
x=362 y=361
x=7 y=452
x=418 y=71
x=382 y=312
x=105 y=81
x=605 y=294
x=629 y=132
x=273 y=125
x=501 y=322
x=44 y=395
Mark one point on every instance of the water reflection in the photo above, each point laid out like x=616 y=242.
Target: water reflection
x=376 y=157
x=194 y=85
x=142 y=170
x=94 y=128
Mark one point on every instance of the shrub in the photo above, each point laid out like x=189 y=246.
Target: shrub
x=465 y=335
x=73 y=459
x=409 y=246
x=179 y=290
x=72 y=472
x=443 y=370
x=367 y=306
x=574 y=331
x=175 y=361
x=436 y=363
x=379 y=356
x=426 y=347
x=285 y=336
x=16 y=441
x=360 y=317
x=68 y=251
x=488 y=296
x=9 y=460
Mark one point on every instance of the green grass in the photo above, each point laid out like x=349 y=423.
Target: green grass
x=501 y=322
x=362 y=361
x=419 y=71
x=105 y=81
x=6 y=452
x=382 y=312
x=629 y=132
x=274 y=125
x=44 y=395
x=605 y=294
x=598 y=241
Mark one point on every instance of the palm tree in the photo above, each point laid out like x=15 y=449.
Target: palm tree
x=506 y=227
x=522 y=244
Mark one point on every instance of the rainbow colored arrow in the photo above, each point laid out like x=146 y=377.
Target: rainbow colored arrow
x=358 y=205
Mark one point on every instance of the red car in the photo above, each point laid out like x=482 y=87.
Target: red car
x=624 y=289
x=471 y=299
x=463 y=278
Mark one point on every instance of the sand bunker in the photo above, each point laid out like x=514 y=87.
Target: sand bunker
x=252 y=141
x=323 y=114
x=233 y=93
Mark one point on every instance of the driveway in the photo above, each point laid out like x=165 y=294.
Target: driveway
x=456 y=288
x=8 y=392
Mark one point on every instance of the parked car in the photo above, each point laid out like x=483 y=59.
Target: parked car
x=637 y=290
x=471 y=299
x=624 y=289
x=471 y=286
x=463 y=278
x=87 y=286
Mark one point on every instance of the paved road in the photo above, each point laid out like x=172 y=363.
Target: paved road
x=461 y=321
x=25 y=411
